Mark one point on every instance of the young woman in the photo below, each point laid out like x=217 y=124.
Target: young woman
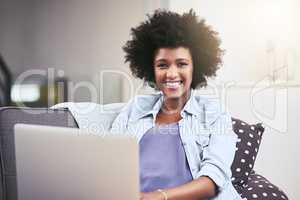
x=186 y=144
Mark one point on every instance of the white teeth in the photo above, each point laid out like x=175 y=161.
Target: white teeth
x=173 y=84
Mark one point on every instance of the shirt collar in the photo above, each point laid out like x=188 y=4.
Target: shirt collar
x=192 y=106
x=152 y=108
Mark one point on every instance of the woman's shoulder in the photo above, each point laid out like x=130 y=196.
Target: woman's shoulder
x=138 y=106
x=216 y=116
x=208 y=103
x=213 y=107
x=141 y=103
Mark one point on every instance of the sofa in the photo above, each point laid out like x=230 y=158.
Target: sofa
x=249 y=184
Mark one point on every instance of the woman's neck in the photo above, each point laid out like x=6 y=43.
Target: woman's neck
x=170 y=110
x=174 y=105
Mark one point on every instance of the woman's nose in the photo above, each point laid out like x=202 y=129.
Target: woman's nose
x=172 y=72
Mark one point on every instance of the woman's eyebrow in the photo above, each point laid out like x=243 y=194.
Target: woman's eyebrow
x=183 y=59
x=161 y=60
x=165 y=60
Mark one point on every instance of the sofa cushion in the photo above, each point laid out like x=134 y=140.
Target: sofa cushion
x=258 y=187
x=249 y=138
x=92 y=117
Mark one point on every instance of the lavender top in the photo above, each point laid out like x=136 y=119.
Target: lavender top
x=163 y=162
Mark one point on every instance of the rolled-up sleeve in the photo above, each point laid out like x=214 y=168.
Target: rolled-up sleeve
x=217 y=156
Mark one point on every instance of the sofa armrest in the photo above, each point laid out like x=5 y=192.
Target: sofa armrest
x=9 y=116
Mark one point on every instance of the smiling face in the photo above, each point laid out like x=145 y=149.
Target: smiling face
x=173 y=69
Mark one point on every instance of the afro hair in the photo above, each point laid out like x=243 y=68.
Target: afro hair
x=166 y=29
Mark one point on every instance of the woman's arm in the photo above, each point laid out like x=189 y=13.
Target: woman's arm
x=198 y=189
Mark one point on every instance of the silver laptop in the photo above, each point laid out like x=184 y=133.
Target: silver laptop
x=56 y=163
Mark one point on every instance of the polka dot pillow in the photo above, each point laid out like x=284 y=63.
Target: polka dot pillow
x=258 y=187
x=249 y=137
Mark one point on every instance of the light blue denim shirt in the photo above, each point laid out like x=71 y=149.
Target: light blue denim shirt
x=206 y=134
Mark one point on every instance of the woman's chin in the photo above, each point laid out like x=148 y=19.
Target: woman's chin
x=177 y=93
x=173 y=94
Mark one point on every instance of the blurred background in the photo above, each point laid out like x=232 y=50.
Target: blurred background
x=53 y=51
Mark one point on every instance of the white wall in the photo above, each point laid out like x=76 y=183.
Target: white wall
x=245 y=28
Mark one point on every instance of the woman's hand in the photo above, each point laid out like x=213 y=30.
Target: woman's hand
x=200 y=188
x=151 y=196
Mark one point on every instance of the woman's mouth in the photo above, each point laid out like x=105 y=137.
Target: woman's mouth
x=172 y=84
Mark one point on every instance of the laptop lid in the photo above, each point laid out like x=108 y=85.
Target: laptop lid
x=70 y=164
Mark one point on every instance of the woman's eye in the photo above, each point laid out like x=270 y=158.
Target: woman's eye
x=182 y=64
x=162 y=65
